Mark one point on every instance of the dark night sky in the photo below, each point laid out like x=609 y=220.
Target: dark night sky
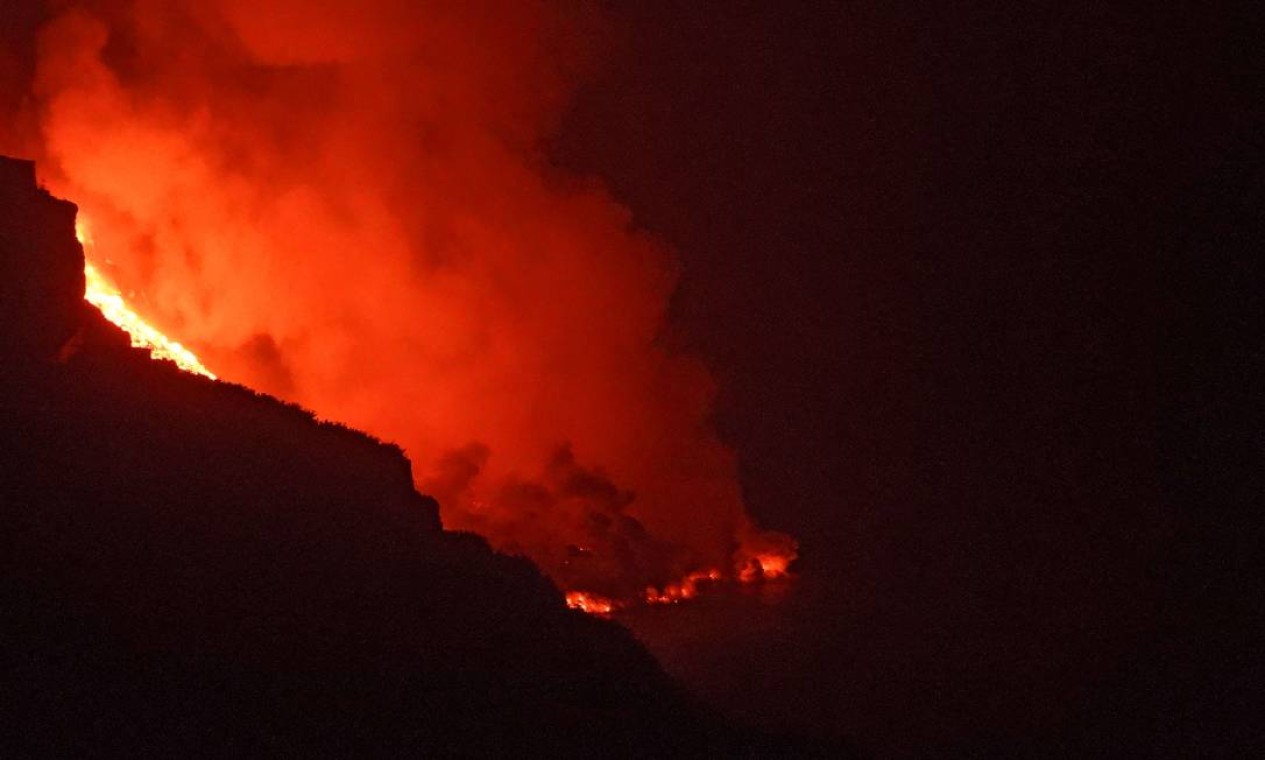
x=929 y=254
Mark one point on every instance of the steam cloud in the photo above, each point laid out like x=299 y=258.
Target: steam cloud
x=347 y=204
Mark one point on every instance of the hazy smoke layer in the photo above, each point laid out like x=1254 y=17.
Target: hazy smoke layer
x=346 y=204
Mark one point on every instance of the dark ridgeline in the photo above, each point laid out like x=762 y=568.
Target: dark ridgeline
x=191 y=568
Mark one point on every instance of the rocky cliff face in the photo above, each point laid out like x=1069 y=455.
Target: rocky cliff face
x=41 y=268
x=187 y=566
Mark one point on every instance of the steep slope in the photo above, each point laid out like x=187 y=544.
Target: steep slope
x=189 y=567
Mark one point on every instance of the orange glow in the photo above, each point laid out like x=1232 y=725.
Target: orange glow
x=686 y=588
x=590 y=603
x=769 y=566
x=101 y=294
x=356 y=214
x=765 y=566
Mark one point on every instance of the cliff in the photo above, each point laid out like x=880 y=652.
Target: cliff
x=41 y=268
x=188 y=567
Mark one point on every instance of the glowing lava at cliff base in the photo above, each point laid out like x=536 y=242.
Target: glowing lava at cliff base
x=762 y=567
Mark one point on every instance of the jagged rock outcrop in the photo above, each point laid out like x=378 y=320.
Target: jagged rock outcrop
x=188 y=567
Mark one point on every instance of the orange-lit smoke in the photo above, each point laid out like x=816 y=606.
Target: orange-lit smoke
x=348 y=205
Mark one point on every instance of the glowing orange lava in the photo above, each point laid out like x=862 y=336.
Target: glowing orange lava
x=686 y=588
x=100 y=293
x=590 y=603
x=763 y=567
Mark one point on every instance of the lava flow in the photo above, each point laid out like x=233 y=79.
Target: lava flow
x=594 y=604
x=763 y=567
x=101 y=294
x=686 y=588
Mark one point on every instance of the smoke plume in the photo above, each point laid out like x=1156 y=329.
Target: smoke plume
x=347 y=204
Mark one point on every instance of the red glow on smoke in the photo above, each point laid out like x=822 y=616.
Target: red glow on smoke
x=348 y=205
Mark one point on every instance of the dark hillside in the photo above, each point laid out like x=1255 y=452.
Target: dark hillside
x=189 y=567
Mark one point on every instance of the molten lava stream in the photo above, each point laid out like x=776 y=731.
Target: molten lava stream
x=686 y=588
x=759 y=569
x=590 y=603
x=100 y=293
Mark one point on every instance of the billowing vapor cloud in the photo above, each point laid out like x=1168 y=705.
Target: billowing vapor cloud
x=346 y=204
